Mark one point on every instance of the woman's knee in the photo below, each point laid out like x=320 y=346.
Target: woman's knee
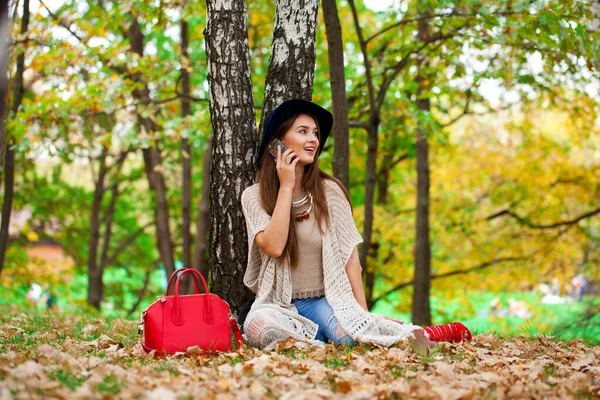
x=336 y=333
x=261 y=329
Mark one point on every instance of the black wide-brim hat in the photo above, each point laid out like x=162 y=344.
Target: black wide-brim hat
x=288 y=109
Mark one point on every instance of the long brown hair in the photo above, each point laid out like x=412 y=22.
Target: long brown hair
x=312 y=181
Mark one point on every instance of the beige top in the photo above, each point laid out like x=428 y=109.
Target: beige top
x=273 y=317
x=307 y=276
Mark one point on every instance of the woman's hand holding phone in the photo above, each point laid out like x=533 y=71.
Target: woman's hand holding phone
x=286 y=167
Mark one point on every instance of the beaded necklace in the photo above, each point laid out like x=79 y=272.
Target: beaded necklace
x=308 y=198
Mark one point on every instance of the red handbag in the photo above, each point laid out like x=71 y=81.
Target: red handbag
x=174 y=323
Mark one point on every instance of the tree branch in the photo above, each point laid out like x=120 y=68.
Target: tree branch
x=529 y=224
x=141 y=294
x=478 y=267
x=464 y=112
x=359 y=124
x=453 y=13
x=127 y=242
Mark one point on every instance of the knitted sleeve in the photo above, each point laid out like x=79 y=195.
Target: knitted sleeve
x=257 y=220
x=342 y=221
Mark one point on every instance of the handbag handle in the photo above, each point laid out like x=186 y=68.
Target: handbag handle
x=172 y=278
x=177 y=317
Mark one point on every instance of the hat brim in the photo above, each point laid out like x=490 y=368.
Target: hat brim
x=288 y=109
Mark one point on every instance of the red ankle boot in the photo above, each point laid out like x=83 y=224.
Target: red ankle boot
x=452 y=332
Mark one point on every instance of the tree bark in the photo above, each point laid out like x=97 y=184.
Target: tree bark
x=372 y=128
x=421 y=310
x=292 y=64
x=95 y=284
x=9 y=168
x=186 y=163
x=335 y=51
x=200 y=261
x=383 y=183
x=186 y=153
x=234 y=143
x=152 y=160
x=390 y=160
x=370 y=182
x=4 y=35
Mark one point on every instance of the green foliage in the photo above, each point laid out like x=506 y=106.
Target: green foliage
x=513 y=135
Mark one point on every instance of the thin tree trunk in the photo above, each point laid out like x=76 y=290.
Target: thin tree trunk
x=4 y=35
x=383 y=179
x=234 y=143
x=95 y=284
x=421 y=310
x=186 y=153
x=152 y=161
x=109 y=217
x=292 y=64
x=9 y=169
x=335 y=51
x=9 y=182
x=110 y=212
x=200 y=261
x=371 y=174
x=390 y=160
x=370 y=182
x=96 y=279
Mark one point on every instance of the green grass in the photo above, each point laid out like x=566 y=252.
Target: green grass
x=67 y=378
x=560 y=321
x=111 y=385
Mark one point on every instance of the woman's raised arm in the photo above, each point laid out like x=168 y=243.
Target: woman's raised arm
x=272 y=240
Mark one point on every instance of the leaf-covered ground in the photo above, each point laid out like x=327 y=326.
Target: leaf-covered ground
x=73 y=356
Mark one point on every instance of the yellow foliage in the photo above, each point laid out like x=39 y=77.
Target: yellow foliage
x=494 y=188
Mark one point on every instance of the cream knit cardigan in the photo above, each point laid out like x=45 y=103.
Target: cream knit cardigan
x=273 y=317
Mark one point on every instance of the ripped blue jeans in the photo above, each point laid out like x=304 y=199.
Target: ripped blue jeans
x=318 y=310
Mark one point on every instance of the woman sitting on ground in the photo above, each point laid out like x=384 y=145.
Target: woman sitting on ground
x=302 y=261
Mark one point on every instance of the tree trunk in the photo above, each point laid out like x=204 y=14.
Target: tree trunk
x=109 y=217
x=370 y=181
x=186 y=153
x=383 y=179
x=9 y=169
x=292 y=64
x=4 y=35
x=421 y=311
x=152 y=160
x=95 y=284
x=335 y=51
x=372 y=128
x=200 y=261
x=234 y=143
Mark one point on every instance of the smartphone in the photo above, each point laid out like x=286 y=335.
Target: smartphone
x=273 y=147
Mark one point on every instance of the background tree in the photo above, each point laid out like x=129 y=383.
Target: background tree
x=421 y=311
x=511 y=130
x=4 y=30
x=339 y=104
x=8 y=142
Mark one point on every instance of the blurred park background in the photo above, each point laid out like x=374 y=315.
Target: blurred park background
x=504 y=95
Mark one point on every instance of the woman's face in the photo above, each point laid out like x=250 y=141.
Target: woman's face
x=303 y=139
